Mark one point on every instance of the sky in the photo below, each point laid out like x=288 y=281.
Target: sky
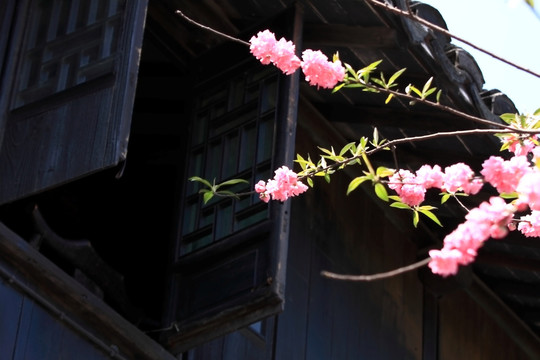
x=507 y=28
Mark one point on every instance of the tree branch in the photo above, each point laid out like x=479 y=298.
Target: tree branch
x=378 y=276
x=191 y=21
x=410 y=15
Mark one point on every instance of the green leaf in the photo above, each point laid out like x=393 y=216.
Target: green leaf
x=445 y=197
x=384 y=172
x=416 y=218
x=388 y=98
x=426 y=86
x=309 y=181
x=355 y=183
x=415 y=90
x=537 y=112
x=338 y=87
x=380 y=190
x=513 y=195
x=207 y=196
x=432 y=216
x=201 y=180
x=395 y=76
x=439 y=96
x=508 y=117
x=400 y=205
x=232 y=182
x=327 y=177
x=346 y=148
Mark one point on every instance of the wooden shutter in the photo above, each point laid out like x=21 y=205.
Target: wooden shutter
x=230 y=259
x=67 y=90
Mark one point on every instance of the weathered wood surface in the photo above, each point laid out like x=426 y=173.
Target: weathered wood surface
x=74 y=301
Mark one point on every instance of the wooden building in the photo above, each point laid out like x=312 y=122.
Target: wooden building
x=106 y=250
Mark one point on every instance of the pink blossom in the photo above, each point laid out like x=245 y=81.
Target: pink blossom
x=410 y=191
x=284 y=57
x=519 y=146
x=284 y=185
x=530 y=224
x=319 y=71
x=490 y=219
x=430 y=176
x=460 y=177
x=260 y=188
x=263 y=46
x=444 y=262
x=504 y=175
x=396 y=180
x=529 y=189
x=268 y=50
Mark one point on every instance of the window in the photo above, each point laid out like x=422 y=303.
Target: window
x=227 y=270
x=232 y=137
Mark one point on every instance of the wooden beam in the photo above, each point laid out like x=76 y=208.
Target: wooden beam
x=350 y=36
x=60 y=294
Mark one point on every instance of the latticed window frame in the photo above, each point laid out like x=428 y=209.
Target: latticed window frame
x=232 y=136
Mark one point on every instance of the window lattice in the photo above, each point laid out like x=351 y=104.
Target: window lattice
x=232 y=137
x=68 y=42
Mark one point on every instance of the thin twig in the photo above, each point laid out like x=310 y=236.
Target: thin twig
x=211 y=30
x=432 y=26
x=445 y=108
x=378 y=276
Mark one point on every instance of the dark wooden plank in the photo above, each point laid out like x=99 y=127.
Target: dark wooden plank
x=10 y=313
x=76 y=302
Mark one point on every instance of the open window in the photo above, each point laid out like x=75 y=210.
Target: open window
x=67 y=90
x=229 y=259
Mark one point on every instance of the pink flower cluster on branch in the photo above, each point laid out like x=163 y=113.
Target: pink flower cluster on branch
x=490 y=219
x=317 y=69
x=284 y=185
x=411 y=188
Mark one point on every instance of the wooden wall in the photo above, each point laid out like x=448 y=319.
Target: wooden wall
x=28 y=331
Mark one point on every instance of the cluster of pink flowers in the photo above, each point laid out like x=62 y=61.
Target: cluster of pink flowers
x=411 y=188
x=317 y=69
x=519 y=146
x=505 y=175
x=490 y=219
x=529 y=225
x=284 y=185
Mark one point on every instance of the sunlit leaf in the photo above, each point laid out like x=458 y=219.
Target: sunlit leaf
x=400 y=205
x=426 y=86
x=201 y=180
x=431 y=215
x=381 y=192
x=384 y=172
x=512 y=195
x=416 y=218
x=207 y=196
x=395 y=76
x=346 y=148
x=355 y=183
x=232 y=182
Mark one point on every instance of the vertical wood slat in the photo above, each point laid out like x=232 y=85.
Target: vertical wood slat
x=10 y=313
